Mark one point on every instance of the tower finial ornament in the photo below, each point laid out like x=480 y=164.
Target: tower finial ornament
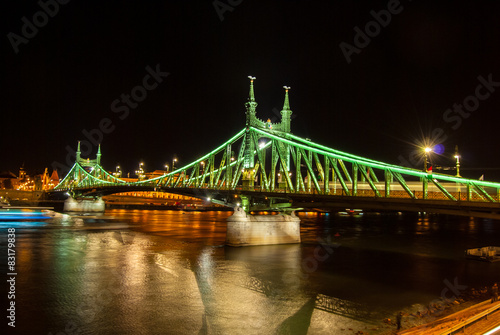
x=251 y=104
x=286 y=104
x=98 y=157
x=251 y=96
x=286 y=113
x=78 y=152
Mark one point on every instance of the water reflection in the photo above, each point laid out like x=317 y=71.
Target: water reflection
x=153 y=272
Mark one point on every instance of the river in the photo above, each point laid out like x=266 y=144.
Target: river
x=168 y=272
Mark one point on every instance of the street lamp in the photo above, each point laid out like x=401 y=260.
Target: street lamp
x=426 y=153
x=166 y=167
x=140 y=171
x=457 y=157
x=173 y=163
x=118 y=172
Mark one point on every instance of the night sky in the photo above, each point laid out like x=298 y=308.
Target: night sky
x=389 y=94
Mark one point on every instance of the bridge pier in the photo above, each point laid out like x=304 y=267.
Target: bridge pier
x=245 y=229
x=84 y=205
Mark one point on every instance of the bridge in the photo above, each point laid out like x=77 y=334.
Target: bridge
x=266 y=167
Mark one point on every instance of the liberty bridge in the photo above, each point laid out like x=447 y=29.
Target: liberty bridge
x=264 y=167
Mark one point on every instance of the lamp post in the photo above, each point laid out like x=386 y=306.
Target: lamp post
x=173 y=163
x=166 y=167
x=426 y=153
x=140 y=171
x=118 y=172
x=457 y=157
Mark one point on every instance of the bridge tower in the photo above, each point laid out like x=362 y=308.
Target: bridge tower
x=248 y=175
x=282 y=127
x=286 y=114
x=93 y=204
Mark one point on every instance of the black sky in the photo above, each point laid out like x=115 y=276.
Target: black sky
x=392 y=94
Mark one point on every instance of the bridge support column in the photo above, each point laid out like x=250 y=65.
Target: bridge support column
x=248 y=179
x=425 y=192
x=84 y=205
x=244 y=229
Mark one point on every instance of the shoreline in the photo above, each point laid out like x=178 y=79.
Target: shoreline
x=418 y=315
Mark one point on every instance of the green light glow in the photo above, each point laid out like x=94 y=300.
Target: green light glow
x=314 y=147
x=286 y=144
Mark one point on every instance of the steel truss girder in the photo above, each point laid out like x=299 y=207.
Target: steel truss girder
x=221 y=172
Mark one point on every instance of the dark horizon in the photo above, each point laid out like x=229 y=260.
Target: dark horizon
x=375 y=93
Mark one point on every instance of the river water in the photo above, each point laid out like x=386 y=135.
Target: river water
x=168 y=272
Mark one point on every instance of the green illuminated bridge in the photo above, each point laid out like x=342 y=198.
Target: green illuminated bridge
x=266 y=167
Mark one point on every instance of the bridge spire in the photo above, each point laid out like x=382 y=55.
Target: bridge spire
x=78 y=152
x=251 y=95
x=286 y=113
x=251 y=104
x=98 y=156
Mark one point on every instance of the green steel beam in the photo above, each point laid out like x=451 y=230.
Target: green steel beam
x=229 y=173
x=311 y=172
x=284 y=166
x=318 y=166
x=442 y=189
x=367 y=178
x=354 y=188
x=344 y=169
x=374 y=176
x=297 y=159
x=388 y=181
x=221 y=166
x=261 y=160
x=274 y=161
x=403 y=184
x=241 y=157
x=483 y=192
x=425 y=188
x=341 y=179
x=326 y=180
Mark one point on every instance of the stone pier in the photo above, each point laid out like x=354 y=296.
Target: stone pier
x=244 y=229
x=84 y=205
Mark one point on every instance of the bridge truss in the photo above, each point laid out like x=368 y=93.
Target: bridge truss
x=285 y=163
x=265 y=157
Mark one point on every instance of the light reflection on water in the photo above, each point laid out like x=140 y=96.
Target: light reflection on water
x=164 y=272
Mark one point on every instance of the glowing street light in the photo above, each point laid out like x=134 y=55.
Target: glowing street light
x=118 y=172
x=173 y=163
x=140 y=171
x=426 y=153
x=457 y=157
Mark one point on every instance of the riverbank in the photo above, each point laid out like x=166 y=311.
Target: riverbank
x=472 y=318
x=439 y=315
